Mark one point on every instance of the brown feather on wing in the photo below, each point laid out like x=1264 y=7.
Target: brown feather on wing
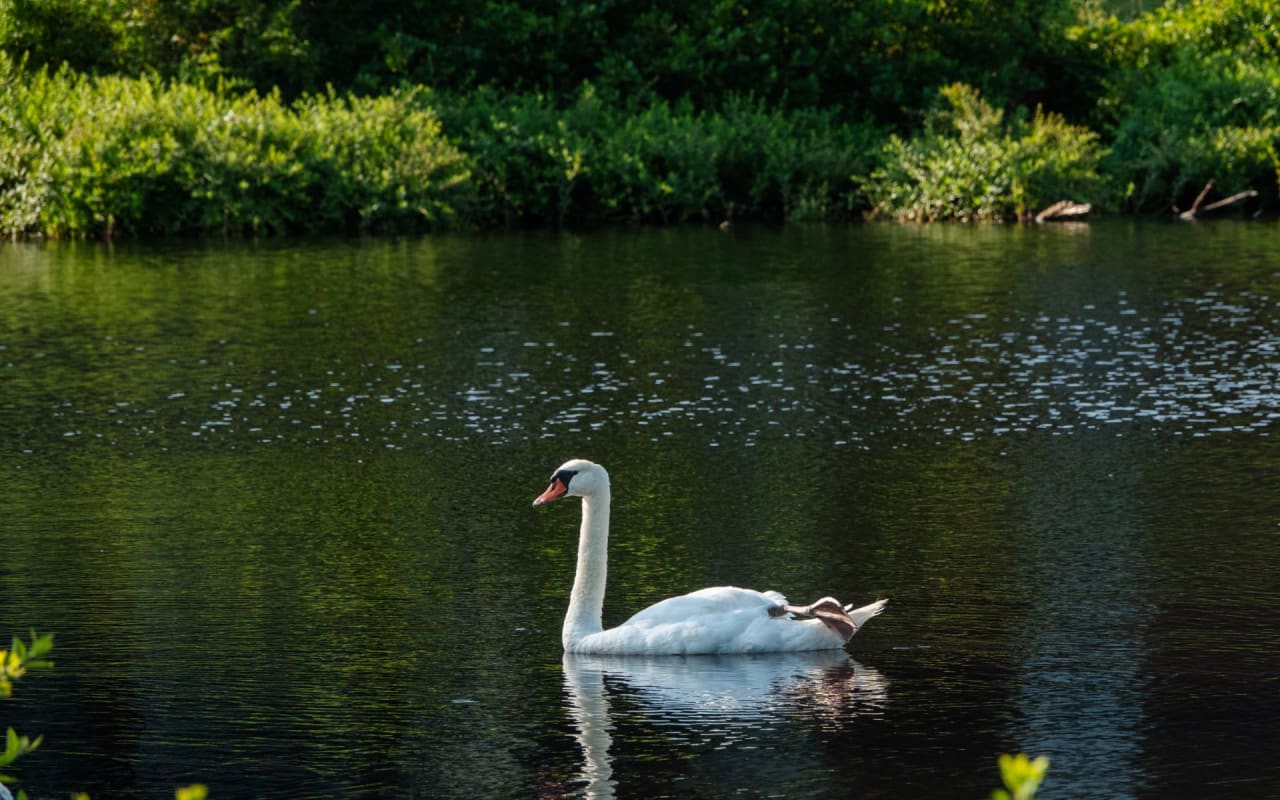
x=828 y=610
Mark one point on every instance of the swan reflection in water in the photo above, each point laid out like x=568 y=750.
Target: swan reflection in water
x=739 y=700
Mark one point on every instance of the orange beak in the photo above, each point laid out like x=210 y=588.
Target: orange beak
x=554 y=492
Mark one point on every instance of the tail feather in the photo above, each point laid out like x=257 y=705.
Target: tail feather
x=861 y=615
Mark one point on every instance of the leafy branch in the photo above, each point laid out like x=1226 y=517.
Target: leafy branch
x=21 y=657
x=14 y=663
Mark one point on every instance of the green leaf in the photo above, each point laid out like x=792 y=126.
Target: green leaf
x=16 y=746
x=1022 y=776
x=195 y=791
x=39 y=645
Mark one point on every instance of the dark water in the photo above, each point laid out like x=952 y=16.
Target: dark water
x=273 y=500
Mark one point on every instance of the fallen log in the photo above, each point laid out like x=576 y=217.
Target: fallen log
x=1064 y=209
x=1193 y=213
x=1232 y=200
x=1190 y=213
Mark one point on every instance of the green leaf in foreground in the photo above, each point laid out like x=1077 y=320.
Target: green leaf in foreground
x=1022 y=776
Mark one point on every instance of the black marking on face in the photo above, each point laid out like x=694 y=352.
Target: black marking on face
x=564 y=476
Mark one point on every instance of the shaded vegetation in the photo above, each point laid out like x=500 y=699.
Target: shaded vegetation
x=99 y=155
x=590 y=161
x=968 y=164
x=1192 y=94
x=147 y=117
x=14 y=664
x=881 y=56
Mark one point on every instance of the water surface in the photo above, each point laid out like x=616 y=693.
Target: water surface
x=273 y=499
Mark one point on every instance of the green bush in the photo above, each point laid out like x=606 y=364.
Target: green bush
x=534 y=162
x=27 y=131
x=969 y=164
x=106 y=156
x=526 y=155
x=744 y=111
x=52 y=32
x=658 y=165
x=383 y=162
x=1193 y=94
x=878 y=57
x=1200 y=27
x=262 y=43
x=90 y=156
x=795 y=165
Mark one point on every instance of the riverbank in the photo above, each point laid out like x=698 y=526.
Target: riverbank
x=1175 y=99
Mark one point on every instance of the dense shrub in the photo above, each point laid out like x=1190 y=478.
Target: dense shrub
x=799 y=165
x=384 y=162
x=51 y=32
x=96 y=156
x=660 y=165
x=106 y=156
x=877 y=57
x=527 y=155
x=1212 y=117
x=1193 y=94
x=969 y=164
x=554 y=113
x=1201 y=27
x=591 y=161
x=253 y=42
x=29 y=131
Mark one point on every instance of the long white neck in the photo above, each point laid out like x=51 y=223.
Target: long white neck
x=587 y=599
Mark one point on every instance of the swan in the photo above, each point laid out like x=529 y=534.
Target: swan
x=720 y=619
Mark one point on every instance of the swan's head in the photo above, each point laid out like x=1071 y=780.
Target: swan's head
x=576 y=478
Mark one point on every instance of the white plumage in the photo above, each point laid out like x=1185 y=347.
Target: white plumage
x=721 y=619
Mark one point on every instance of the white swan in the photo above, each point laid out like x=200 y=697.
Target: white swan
x=721 y=619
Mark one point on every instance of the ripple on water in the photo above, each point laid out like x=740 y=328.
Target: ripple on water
x=1200 y=366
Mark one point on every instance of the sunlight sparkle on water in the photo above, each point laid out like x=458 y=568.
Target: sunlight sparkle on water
x=974 y=376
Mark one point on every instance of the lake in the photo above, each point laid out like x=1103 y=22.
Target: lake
x=273 y=499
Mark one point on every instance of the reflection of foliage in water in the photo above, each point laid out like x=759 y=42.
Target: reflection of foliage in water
x=289 y=353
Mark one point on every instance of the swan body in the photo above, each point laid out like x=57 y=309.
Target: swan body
x=721 y=619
